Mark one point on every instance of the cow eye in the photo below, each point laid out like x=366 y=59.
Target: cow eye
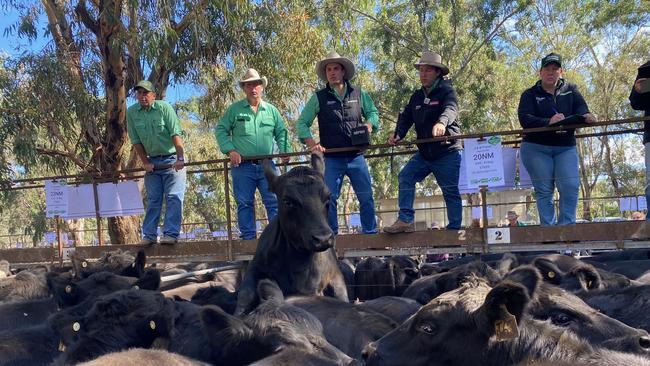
x=427 y=328
x=561 y=319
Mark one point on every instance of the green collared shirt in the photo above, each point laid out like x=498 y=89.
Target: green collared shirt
x=153 y=127
x=306 y=119
x=250 y=133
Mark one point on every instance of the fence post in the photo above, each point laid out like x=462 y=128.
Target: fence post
x=485 y=217
x=97 y=216
x=226 y=186
x=58 y=240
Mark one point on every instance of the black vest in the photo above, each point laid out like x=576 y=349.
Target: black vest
x=336 y=119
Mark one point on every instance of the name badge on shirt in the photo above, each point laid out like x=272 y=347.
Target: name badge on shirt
x=417 y=107
x=426 y=100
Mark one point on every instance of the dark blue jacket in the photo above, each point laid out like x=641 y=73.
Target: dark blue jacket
x=441 y=106
x=536 y=107
x=641 y=102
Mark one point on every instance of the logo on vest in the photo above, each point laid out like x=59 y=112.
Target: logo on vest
x=330 y=102
x=539 y=99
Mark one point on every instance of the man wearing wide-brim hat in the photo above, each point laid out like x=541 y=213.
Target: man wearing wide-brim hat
x=434 y=110
x=155 y=132
x=345 y=113
x=249 y=128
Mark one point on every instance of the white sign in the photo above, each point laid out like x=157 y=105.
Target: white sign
x=50 y=237
x=484 y=162
x=477 y=212
x=56 y=198
x=498 y=235
x=643 y=205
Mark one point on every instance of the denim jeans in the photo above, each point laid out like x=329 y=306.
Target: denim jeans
x=446 y=169
x=550 y=167
x=170 y=185
x=245 y=179
x=356 y=169
x=647 y=177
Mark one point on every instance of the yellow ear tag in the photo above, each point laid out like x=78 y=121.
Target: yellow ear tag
x=506 y=328
x=551 y=274
x=84 y=264
x=133 y=265
x=68 y=289
x=61 y=346
x=76 y=326
x=152 y=324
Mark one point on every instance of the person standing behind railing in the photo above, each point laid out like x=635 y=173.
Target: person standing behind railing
x=434 y=110
x=248 y=128
x=551 y=158
x=640 y=100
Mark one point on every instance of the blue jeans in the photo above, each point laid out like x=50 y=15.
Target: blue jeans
x=446 y=169
x=245 y=179
x=356 y=169
x=170 y=185
x=647 y=177
x=550 y=167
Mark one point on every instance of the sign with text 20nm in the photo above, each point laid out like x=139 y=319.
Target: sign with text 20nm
x=484 y=162
x=56 y=198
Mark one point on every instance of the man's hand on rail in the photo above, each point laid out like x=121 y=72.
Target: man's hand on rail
x=439 y=129
x=589 y=118
x=394 y=139
x=148 y=167
x=235 y=158
x=556 y=117
x=313 y=146
x=285 y=159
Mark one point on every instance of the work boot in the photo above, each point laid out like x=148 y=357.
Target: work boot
x=146 y=241
x=642 y=233
x=168 y=240
x=400 y=227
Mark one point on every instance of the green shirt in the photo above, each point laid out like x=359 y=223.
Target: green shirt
x=250 y=133
x=306 y=119
x=153 y=128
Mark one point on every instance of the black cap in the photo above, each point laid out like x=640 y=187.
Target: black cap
x=552 y=57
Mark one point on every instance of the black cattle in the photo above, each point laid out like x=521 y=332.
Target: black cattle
x=292 y=331
x=296 y=247
x=581 y=277
x=23 y=314
x=628 y=305
x=216 y=295
x=479 y=325
x=621 y=255
x=426 y=288
x=122 y=320
x=396 y=308
x=632 y=269
x=143 y=357
x=26 y=285
x=346 y=326
x=376 y=277
x=68 y=292
x=119 y=262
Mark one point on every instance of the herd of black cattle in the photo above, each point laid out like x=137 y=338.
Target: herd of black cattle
x=298 y=305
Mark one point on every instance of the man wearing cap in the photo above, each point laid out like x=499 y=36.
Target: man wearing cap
x=434 y=111
x=248 y=128
x=513 y=219
x=551 y=158
x=155 y=132
x=640 y=100
x=341 y=108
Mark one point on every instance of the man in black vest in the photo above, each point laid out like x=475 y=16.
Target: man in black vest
x=434 y=111
x=340 y=108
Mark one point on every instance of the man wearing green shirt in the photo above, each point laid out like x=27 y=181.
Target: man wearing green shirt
x=340 y=108
x=155 y=132
x=248 y=128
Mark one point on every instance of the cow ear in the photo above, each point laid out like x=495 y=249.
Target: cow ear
x=317 y=162
x=549 y=271
x=502 y=310
x=588 y=276
x=528 y=276
x=271 y=174
x=507 y=263
x=268 y=290
x=214 y=318
x=150 y=280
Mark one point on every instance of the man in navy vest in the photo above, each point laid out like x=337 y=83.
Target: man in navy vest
x=340 y=108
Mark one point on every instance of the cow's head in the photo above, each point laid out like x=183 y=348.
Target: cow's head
x=303 y=201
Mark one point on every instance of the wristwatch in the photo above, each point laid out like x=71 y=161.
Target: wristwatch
x=180 y=158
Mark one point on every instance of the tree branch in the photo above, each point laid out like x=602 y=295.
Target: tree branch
x=86 y=18
x=187 y=19
x=394 y=32
x=80 y=163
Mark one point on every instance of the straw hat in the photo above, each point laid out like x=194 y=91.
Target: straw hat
x=334 y=57
x=433 y=59
x=252 y=75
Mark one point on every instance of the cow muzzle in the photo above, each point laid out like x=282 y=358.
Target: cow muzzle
x=321 y=243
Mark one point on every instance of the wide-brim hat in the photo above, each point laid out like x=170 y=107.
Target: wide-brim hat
x=433 y=59
x=334 y=57
x=252 y=75
x=511 y=214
